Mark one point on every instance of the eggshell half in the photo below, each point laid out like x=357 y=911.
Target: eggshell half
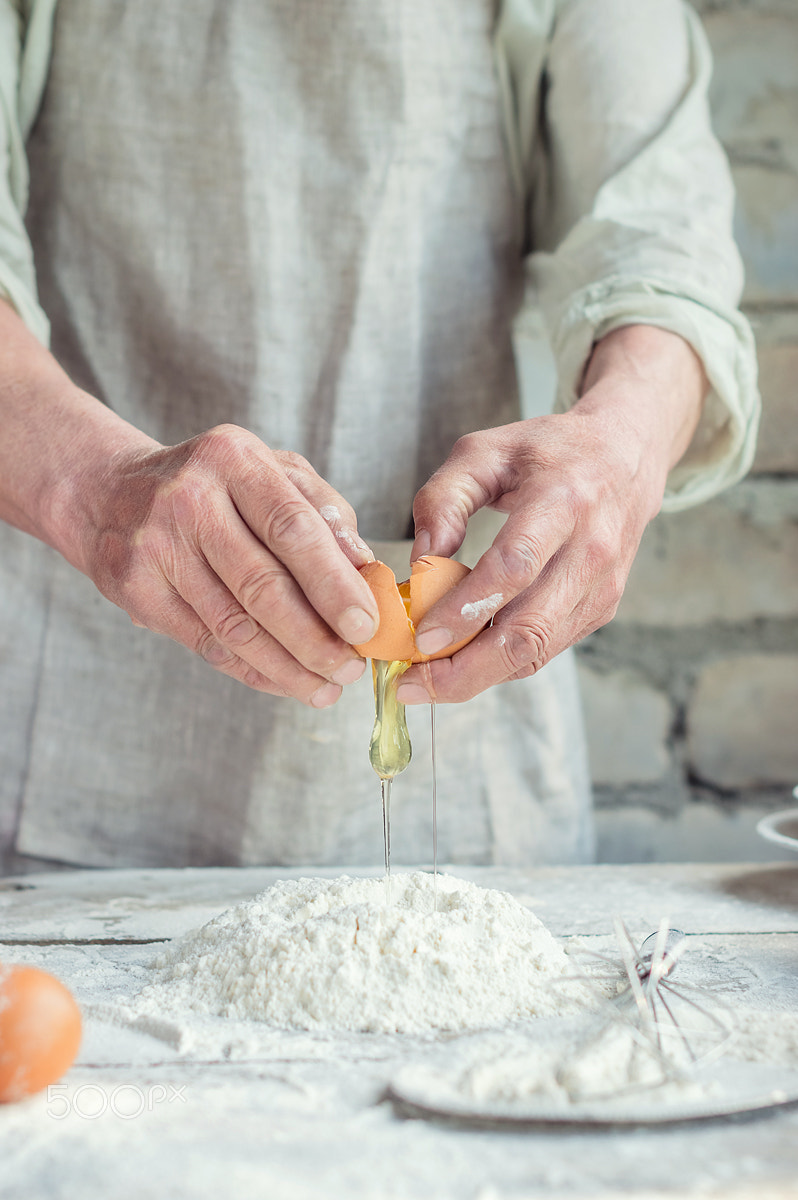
x=430 y=579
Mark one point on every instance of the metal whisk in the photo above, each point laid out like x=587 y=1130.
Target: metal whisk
x=655 y=1005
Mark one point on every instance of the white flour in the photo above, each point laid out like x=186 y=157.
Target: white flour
x=483 y=608
x=570 y=1062
x=320 y=954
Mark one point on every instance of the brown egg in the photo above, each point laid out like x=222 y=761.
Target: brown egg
x=40 y=1031
x=402 y=606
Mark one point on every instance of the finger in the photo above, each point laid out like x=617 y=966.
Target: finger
x=597 y=607
x=228 y=627
x=525 y=635
x=301 y=540
x=331 y=506
x=222 y=659
x=467 y=481
x=494 y=657
x=347 y=536
x=530 y=538
x=177 y=620
x=569 y=602
x=256 y=610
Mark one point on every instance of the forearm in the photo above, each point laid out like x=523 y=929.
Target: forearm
x=631 y=214
x=54 y=438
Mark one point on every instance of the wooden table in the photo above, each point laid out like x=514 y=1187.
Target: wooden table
x=304 y=1117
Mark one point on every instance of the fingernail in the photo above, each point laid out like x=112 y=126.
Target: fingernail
x=350 y=672
x=326 y=695
x=412 y=693
x=356 y=625
x=433 y=640
x=421 y=545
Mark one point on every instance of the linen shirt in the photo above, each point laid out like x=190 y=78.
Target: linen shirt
x=583 y=181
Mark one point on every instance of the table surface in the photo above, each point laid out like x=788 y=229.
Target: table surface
x=148 y=1110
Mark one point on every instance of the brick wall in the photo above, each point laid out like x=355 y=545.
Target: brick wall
x=691 y=694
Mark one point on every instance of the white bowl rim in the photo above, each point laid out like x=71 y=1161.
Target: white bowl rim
x=766 y=827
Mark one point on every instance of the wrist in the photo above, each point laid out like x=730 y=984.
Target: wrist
x=57 y=444
x=652 y=383
x=93 y=442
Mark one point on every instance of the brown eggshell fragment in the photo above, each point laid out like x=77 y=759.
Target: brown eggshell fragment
x=430 y=579
x=393 y=641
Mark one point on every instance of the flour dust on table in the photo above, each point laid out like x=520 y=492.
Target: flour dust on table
x=335 y=955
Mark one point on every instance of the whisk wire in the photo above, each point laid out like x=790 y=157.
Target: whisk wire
x=645 y=1004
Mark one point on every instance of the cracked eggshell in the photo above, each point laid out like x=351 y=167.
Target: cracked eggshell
x=430 y=579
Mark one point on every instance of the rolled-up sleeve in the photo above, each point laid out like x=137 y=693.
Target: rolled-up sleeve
x=24 y=49
x=629 y=205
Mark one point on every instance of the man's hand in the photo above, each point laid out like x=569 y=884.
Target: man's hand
x=239 y=552
x=579 y=489
x=243 y=554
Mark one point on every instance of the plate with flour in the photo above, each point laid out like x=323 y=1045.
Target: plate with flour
x=723 y=1090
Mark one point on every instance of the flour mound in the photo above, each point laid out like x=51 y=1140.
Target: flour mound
x=333 y=954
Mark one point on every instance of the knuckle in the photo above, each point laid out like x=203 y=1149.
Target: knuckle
x=601 y=552
x=260 y=590
x=524 y=646
x=576 y=493
x=293 y=463
x=521 y=561
x=465 y=445
x=184 y=504
x=235 y=627
x=609 y=596
x=255 y=679
x=222 y=450
x=215 y=654
x=290 y=522
x=208 y=460
x=223 y=439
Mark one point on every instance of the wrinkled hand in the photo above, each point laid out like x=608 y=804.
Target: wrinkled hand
x=243 y=554
x=557 y=569
x=579 y=489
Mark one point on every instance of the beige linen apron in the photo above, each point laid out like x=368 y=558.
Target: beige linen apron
x=295 y=216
